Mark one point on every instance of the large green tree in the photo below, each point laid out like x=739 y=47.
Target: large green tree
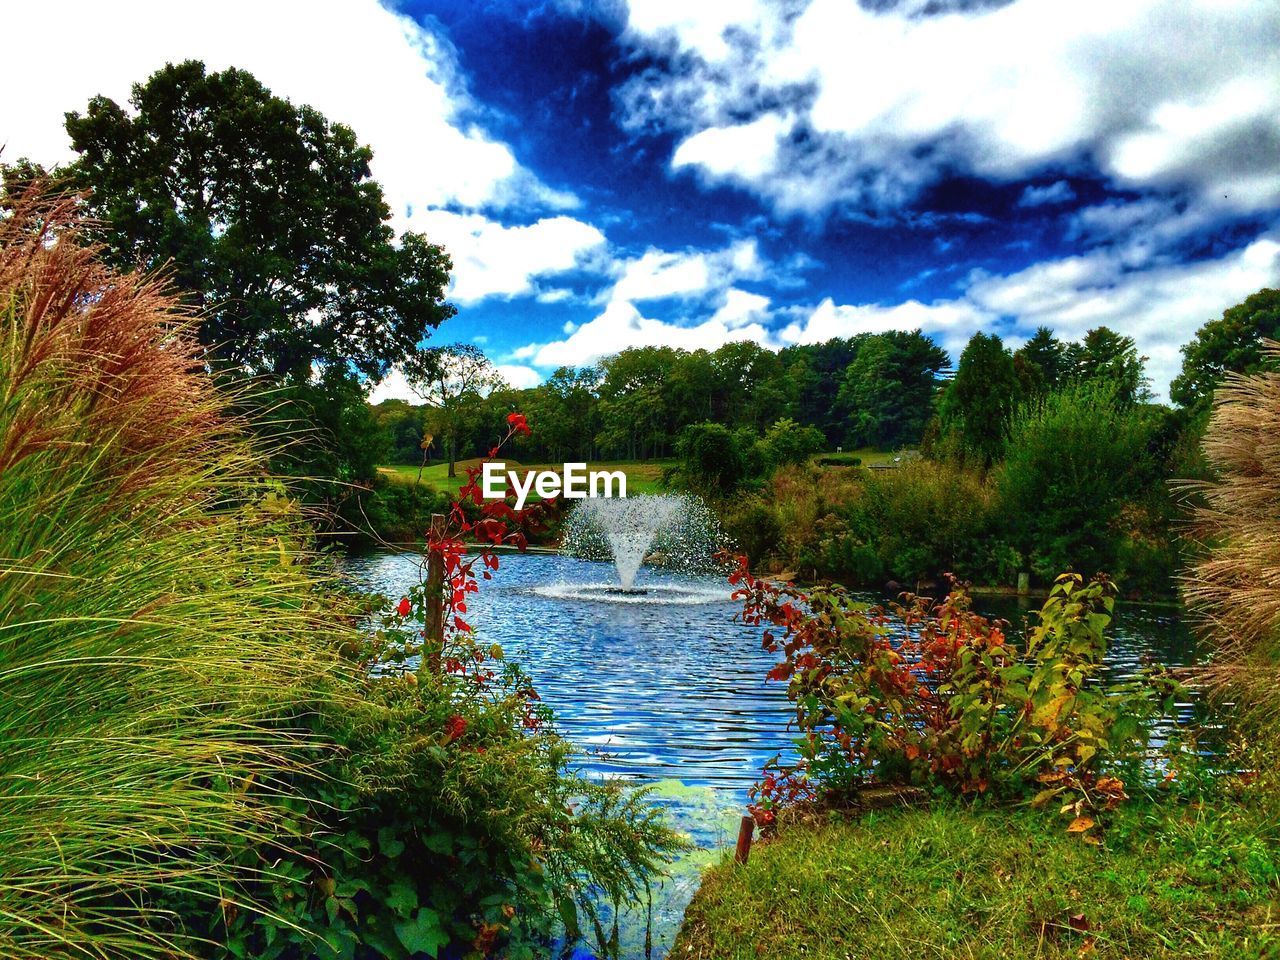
x=1109 y=357
x=265 y=215
x=977 y=405
x=1232 y=343
x=888 y=389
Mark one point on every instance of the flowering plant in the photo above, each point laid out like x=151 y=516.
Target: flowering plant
x=932 y=694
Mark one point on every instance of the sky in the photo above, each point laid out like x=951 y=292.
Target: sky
x=694 y=172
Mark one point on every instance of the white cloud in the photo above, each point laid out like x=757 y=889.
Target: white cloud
x=359 y=63
x=392 y=387
x=1160 y=93
x=950 y=322
x=622 y=325
x=490 y=259
x=519 y=376
x=658 y=274
x=1160 y=307
x=1160 y=304
x=1059 y=192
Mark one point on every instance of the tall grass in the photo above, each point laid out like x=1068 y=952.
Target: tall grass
x=1235 y=587
x=155 y=634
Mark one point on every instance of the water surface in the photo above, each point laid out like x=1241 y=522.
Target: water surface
x=667 y=687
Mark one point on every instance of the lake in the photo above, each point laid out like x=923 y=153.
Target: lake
x=668 y=688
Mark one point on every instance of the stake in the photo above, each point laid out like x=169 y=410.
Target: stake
x=746 y=829
x=435 y=596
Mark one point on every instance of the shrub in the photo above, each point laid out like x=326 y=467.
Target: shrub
x=786 y=442
x=933 y=694
x=925 y=518
x=712 y=458
x=203 y=756
x=1073 y=459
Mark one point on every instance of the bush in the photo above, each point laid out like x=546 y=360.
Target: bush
x=926 y=518
x=712 y=458
x=932 y=694
x=1073 y=460
x=786 y=442
x=203 y=756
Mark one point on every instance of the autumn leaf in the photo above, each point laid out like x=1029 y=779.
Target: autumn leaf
x=1080 y=825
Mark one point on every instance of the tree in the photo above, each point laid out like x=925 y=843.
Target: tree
x=1045 y=354
x=1231 y=343
x=977 y=404
x=265 y=215
x=712 y=458
x=888 y=388
x=787 y=442
x=1104 y=355
x=452 y=380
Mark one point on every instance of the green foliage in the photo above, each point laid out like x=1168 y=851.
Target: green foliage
x=976 y=406
x=938 y=696
x=1074 y=458
x=1046 y=358
x=160 y=634
x=1232 y=343
x=448 y=824
x=888 y=388
x=1104 y=356
x=265 y=215
x=712 y=458
x=786 y=442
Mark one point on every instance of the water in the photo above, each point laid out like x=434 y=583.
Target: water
x=666 y=687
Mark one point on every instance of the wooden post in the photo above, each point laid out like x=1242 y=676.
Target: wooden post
x=1024 y=583
x=434 y=640
x=746 y=829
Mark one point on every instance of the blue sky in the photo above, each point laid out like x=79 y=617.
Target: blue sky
x=693 y=172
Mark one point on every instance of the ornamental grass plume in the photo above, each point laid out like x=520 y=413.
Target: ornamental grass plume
x=156 y=636
x=1235 y=587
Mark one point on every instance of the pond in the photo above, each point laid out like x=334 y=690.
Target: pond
x=666 y=687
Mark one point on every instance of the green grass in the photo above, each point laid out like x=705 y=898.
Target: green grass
x=642 y=476
x=946 y=881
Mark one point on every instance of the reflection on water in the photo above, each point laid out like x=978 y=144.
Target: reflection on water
x=665 y=686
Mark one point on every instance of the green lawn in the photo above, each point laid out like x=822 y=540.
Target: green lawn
x=1176 y=880
x=642 y=477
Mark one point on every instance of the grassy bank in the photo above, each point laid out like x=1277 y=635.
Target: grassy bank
x=1172 y=880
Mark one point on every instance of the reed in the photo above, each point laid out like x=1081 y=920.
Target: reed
x=1235 y=585
x=158 y=638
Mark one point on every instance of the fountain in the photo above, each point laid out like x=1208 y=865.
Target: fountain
x=674 y=531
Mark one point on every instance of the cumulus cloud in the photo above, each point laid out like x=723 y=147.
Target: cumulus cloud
x=396 y=83
x=840 y=103
x=658 y=274
x=490 y=259
x=1160 y=305
x=346 y=59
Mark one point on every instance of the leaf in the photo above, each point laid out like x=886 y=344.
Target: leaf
x=1080 y=825
x=569 y=917
x=422 y=934
x=1044 y=796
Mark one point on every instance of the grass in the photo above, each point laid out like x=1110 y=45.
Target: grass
x=155 y=635
x=951 y=882
x=642 y=476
